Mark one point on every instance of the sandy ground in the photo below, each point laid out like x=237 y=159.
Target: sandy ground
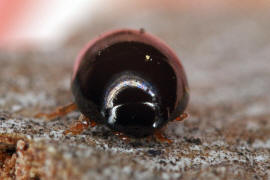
x=227 y=135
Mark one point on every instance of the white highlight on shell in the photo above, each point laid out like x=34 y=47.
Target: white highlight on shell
x=126 y=84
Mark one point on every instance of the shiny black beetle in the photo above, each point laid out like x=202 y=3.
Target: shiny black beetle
x=130 y=81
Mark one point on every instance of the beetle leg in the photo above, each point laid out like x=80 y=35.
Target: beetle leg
x=160 y=137
x=61 y=111
x=81 y=124
x=181 y=117
x=122 y=136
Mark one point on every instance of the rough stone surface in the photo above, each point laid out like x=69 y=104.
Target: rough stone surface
x=227 y=135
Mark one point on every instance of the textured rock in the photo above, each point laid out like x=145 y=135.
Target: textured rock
x=226 y=136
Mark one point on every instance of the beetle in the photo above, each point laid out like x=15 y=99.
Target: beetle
x=130 y=81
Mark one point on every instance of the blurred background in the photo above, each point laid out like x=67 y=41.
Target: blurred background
x=212 y=38
x=220 y=43
x=42 y=24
